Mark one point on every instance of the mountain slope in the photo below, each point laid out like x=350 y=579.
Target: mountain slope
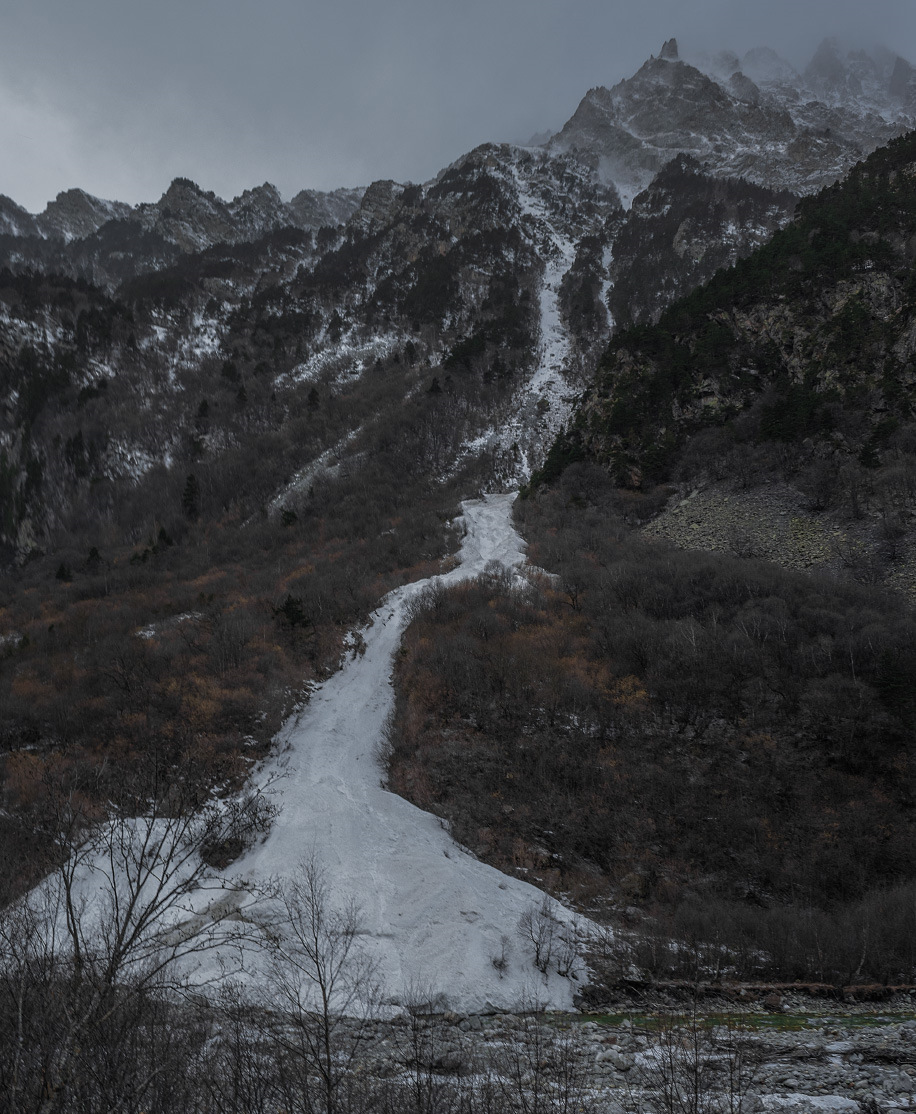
x=811 y=337
x=712 y=748
x=506 y=274
x=225 y=437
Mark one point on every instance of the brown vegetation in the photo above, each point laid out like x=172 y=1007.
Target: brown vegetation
x=720 y=741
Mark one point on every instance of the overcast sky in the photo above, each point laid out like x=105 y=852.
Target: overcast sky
x=120 y=96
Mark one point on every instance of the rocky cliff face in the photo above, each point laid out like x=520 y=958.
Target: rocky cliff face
x=819 y=322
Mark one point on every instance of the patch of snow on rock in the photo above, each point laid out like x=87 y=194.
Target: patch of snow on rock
x=346 y=359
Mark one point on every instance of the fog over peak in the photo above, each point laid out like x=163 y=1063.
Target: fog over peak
x=120 y=99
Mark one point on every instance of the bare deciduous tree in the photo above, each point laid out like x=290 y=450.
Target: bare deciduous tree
x=90 y=957
x=538 y=925
x=326 y=988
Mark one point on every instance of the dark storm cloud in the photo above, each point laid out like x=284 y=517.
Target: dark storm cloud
x=119 y=97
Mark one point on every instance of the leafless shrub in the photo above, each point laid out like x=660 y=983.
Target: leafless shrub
x=694 y=1069
x=541 y=1068
x=500 y=959
x=553 y=940
x=539 y=927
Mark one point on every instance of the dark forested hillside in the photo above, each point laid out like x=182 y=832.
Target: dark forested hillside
x=681 y=230
x=721 y=743
x=725 y=744
x=806 y=346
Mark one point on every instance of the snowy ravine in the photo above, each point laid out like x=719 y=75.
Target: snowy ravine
x=434 y=916
x=532 y=429
x=541 y=408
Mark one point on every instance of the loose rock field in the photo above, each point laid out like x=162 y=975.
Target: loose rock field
x=666 y=1064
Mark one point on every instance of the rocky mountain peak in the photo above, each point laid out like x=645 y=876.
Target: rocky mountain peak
x=315 y=209
x=754 y=117
x=260 y=209
x=72 y=215
x=14 y=220
x=766 y=68
x=75 y=214
x=826 y=69
x=837 y=76
x=264 y=195
x=720 y=65
x=188 y=216
x=669 y=50
x=762 y=120
x=183 y=194
x=743 y=89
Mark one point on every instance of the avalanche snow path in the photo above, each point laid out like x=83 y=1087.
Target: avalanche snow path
x=534 y=426
x=434 y=916
x=541 y=407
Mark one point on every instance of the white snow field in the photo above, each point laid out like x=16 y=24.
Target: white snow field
x=433 y=918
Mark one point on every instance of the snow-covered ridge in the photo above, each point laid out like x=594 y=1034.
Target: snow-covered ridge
x=185 y=214
x=755 y=117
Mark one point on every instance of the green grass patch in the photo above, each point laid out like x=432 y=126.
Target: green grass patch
x=782 y=1022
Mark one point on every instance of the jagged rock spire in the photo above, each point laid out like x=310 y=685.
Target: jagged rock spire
x=669 y=50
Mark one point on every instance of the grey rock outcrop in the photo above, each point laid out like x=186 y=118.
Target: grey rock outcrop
x=72 y=215
x=314 y=209
x=14 y=220
x=75 y=214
